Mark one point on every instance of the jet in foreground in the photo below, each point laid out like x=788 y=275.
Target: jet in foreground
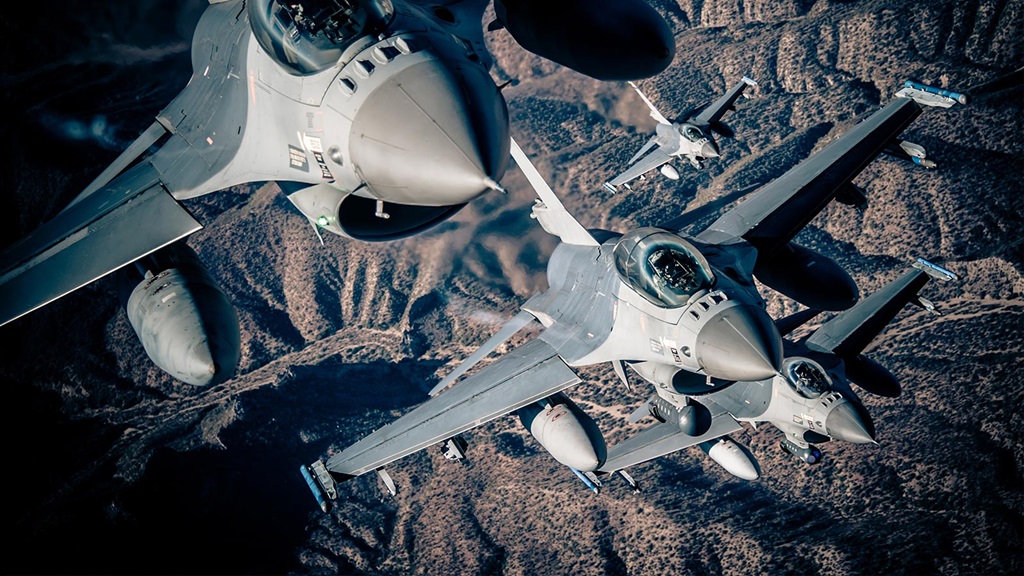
x=682 y=305
x=810 y=400
x=690 y=138
x=377 y=118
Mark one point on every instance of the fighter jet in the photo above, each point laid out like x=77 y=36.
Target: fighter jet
x=690 y=138
x=810 y=400
x=683 y=305
x=377 y=118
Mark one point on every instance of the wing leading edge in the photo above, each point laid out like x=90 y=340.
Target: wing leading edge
x=115 y=225
x=523 y=376
x=713 y=113
x=778 y=211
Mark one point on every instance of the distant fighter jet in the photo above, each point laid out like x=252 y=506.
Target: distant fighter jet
x=680 y=304
x=810 y=400
x=690 y=138
x=377 y=118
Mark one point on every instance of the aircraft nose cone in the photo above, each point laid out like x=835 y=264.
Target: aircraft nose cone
x=433 y=134
x=740 y=343
x=844 y=423
x=710 y=150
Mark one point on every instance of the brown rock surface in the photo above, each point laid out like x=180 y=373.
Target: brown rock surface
x=120 y=469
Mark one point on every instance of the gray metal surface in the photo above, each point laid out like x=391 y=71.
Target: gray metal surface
x=662 y=439
x=718 y=108
x=88 y=241
x=643 y=166
x=849 y=333
x=773 y=215
x=523 y=376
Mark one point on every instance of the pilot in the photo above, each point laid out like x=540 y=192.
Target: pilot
x=809 y=380
x=674 y=269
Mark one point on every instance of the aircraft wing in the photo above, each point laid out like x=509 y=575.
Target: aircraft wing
x=718 y=108
x=645 y=165
x=850 y=332
x=662 y=439
x=773 y=215
x=523 y=376
x=99 y=233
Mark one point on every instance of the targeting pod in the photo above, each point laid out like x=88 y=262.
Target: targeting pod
x=810 y=454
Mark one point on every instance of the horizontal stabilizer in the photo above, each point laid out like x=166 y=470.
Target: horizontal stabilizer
x=523 y=376
x=111 y=227
x=662 y=439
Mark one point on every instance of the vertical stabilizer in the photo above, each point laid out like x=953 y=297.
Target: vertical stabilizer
x=553 y=217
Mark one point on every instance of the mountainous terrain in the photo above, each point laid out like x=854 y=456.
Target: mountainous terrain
x=117 y=468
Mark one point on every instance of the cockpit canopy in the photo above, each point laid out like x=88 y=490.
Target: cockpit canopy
x=662 y=267
x=307 y=36
x=692 y=133
x=807 y=377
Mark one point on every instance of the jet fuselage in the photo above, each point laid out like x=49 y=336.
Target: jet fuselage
x=616 y=302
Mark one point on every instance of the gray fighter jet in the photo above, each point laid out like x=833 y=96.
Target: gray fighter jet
x=690 y=138
x=377 y=118
x=683 y=305
x=810 y=400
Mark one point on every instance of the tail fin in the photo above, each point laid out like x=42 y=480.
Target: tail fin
x=553 y=217
x=849 y=333
x=654 y=111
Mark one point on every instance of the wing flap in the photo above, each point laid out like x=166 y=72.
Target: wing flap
x=662 y=439
x=523 y=376
x=779 y=210
x=114 y=226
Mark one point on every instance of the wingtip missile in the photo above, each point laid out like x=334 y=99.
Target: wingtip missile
x=931 y=96
x=934 y=270
x=593 y=483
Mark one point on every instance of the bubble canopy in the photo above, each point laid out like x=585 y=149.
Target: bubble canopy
x=807 y=377
x=308 y=36
x=662 y=267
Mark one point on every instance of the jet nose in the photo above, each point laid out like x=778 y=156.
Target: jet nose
x=740 y=343
x=844 y=423
x=710 y=150
x=435 y=134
